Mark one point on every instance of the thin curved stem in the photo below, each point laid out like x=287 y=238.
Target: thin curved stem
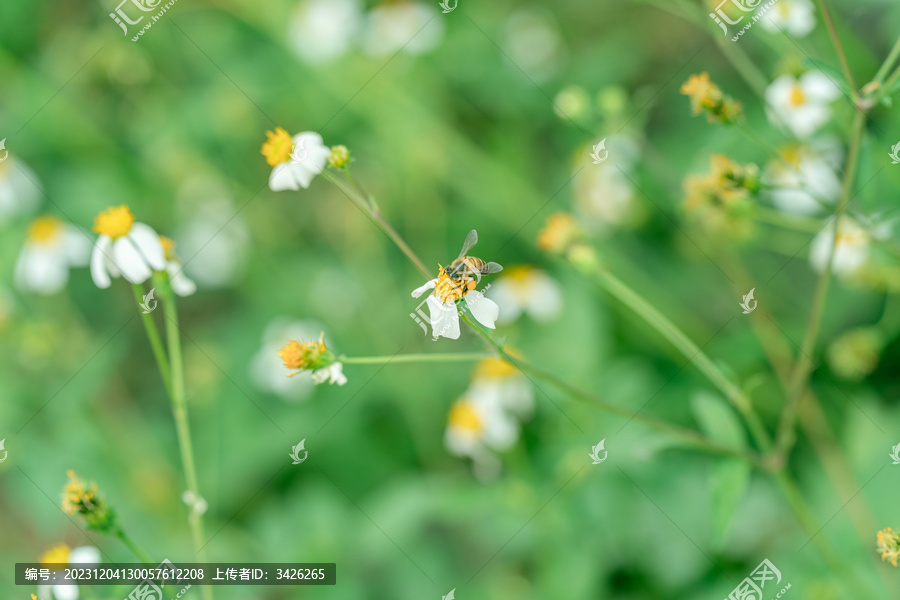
x=839 y=49
x=135 y=549
x=408 y=358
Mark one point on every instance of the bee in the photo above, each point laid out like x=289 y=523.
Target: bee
x=463 y=273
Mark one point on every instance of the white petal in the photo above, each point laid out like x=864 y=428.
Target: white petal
x=98 y=261
x=181 y=284
x=85 y=554
x=483 y=309
x=444 y=319
x=545 y=301
x=419 y=290
x=819 y=87
x=130 y=261
x=282 y=178
x=65 y=592
x=77 y=246
x=41 y=271
x=149 y=244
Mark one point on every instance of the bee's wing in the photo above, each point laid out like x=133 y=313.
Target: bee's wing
x=471 y=240
x=490 y=267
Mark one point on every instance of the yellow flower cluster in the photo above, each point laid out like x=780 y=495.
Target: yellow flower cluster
x=562 y=235
x=707 y=97
x=720 y=199
x=889 y=545
x=83 y=499
x=339 y=156
x=306 y=356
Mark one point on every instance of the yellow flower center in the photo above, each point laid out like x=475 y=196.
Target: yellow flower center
x=58 y=554
x=115 y=221
x=45 y=230
x=493 y=367
x=339 y=156
x=278 y=147
x=168 y=245
x=463 y=416
x=307 y=355
x=798 y=98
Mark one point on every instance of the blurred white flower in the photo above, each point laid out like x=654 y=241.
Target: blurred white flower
x=802 y=104
x=410 y=26
x=851 y=252
x=810 y=182
x=529 y=290
x=444 y=312
x=532 y=42
x=266 y=366
x=794 y=17
x=181 y=284
x=333 y=373
x=19 y=194
x=477 y=428
x=215 y=243
x=50 y=249
x=125 y=248
x=498 y=381
x=321 y=30
x=294 y=160
x=61 y=554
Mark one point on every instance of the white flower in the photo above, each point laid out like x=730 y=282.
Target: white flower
x=811 y=183
x=498 y=381
x=267 y=369
x=213 y=239
x=125 y=248
x=52 y=247
x=529 y=290
x=181 y=284
x=477 y=428
x=333 y=373
x=801 y=103
x=19 y=194
x=83 y=555
x=413 y=27
x=444 y=313
x=532 y=41
x=794 y=17
x=322 y=30
x=851 y=252
x=294 y=160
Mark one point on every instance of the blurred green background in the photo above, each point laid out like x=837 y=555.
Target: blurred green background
x=454 y=131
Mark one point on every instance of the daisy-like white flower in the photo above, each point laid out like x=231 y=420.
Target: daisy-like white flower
x=59 y=556
x=267 y=368
x=801 y=103
x=180 y=283
x=216 y=240
x=405 y=26
x=525 y=289
x=605 y=197
x=125 y=248
x=314 y=357
x=19 y=194
x=50 y=249
x=478 y=428
x=322 y=30
x=294 y=160
x=457 y=282
x=496 y=380
x=850 y=253
x=795 y=17
x=810 y=180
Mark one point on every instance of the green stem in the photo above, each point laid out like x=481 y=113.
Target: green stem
x=135 y=549
x=839 y=49
x=180 y=411
x=887 y=64
x=150 y=327
x=803 y=366
x=689 y=436
x=407 y=358
x=773 y=217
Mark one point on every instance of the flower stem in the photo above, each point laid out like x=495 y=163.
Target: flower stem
x=887 y=64
x=406 y=358
x=180 y=410
x=150 y=327
x=803 y=366
x=839 y=49
x=773 y=217
x=135 y=549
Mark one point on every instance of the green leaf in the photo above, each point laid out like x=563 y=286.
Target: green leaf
x=718 y=420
